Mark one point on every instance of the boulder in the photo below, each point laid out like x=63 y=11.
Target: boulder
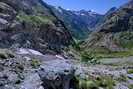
x=57 y=74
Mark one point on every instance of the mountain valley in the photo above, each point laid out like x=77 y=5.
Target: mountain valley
x=80 y=23
x=48 y=47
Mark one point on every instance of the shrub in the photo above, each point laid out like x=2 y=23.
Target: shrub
x=122 y=79
x=18 y=67
x=130 y=71
x=4 y=54
x=1 y=66
x=34 y=63
x=76 y=47
x=87 y=84
x=86 y=56
x=105 y=81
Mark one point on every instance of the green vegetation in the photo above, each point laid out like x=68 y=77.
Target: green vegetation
x=4 y=54
x=36 y=19
x=130 y=71
x=103 y=81
x=1 y=66
x=18 y=67
x=89 y=58
x=115 y=54
x=76 y=47
x=49 y=17
x=34 y=63
x=31 y=19
x=121 y=79
x=128 y=45
x=130 y=86
x=86 y=56
x=86 y=84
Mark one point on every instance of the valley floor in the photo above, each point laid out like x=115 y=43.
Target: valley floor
x=116 y=72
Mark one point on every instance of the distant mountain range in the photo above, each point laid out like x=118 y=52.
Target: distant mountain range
x=80 y=23
x=114 y=33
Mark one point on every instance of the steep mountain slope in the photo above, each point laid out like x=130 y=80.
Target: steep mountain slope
x=115 y=34
x=32 y=24
x=106 y=16
x=80 y=23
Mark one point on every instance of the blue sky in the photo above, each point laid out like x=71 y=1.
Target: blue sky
x=99 y=6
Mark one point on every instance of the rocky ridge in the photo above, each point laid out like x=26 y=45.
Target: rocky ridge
x=115 y=33
x=31 y=24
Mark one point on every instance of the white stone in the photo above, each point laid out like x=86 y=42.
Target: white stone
x=29 y=51
x=3 y=21
x=60 y=57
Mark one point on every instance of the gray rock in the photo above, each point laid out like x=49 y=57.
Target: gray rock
x=32 y=81
x=3 y=21
x=79 y=72
x=120 y=86
x=57 y=74
x=130 y=82
x=130 y=76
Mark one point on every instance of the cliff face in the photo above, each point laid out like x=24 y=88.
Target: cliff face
x=31 y=24
x=115 y=33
